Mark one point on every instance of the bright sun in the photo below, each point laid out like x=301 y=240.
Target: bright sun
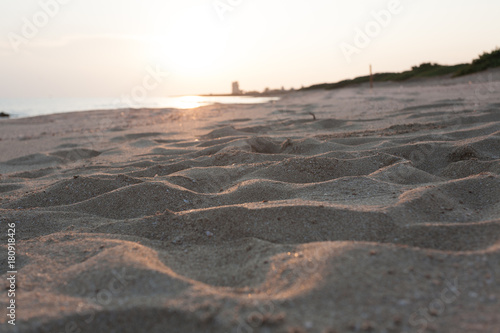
x=192 y=43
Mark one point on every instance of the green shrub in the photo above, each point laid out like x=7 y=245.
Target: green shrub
x=424 y=70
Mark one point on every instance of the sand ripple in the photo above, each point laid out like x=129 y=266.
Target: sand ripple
x=265 y=225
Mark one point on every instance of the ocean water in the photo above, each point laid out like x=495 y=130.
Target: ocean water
x=29 y=107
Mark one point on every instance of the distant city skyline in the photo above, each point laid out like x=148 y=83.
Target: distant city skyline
x=75 y=48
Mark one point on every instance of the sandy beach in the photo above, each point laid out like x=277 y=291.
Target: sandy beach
x=382 y=214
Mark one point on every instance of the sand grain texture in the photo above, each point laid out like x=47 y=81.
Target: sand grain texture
x=382 y=215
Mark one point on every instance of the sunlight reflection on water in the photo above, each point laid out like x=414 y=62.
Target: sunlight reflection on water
x=30 y=107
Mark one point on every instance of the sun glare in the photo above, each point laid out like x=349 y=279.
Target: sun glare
x=192 y=43
x=190 y=102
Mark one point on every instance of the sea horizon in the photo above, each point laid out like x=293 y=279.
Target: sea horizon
x=38 y=106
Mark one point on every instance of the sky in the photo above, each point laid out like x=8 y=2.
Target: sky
x=111 y=48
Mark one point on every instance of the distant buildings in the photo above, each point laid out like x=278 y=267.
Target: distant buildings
x=236 y=91
x=236 y=88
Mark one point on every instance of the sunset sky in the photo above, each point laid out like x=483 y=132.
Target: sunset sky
x=91 y=48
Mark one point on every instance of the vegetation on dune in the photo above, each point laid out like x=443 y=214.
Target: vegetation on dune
x=425 y=70
x=485 y=61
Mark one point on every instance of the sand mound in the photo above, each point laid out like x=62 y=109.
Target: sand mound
x=34 y=159
x=74 y=190
x=76 y=154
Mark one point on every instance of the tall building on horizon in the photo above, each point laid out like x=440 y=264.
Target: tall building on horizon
x=236 y=88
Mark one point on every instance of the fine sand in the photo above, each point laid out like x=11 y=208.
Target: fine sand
x=380 y=215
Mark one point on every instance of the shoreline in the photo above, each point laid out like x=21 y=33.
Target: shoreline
x=444 y=80
x=61 y=105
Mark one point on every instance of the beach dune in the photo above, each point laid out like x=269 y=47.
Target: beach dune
x=380 y=215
